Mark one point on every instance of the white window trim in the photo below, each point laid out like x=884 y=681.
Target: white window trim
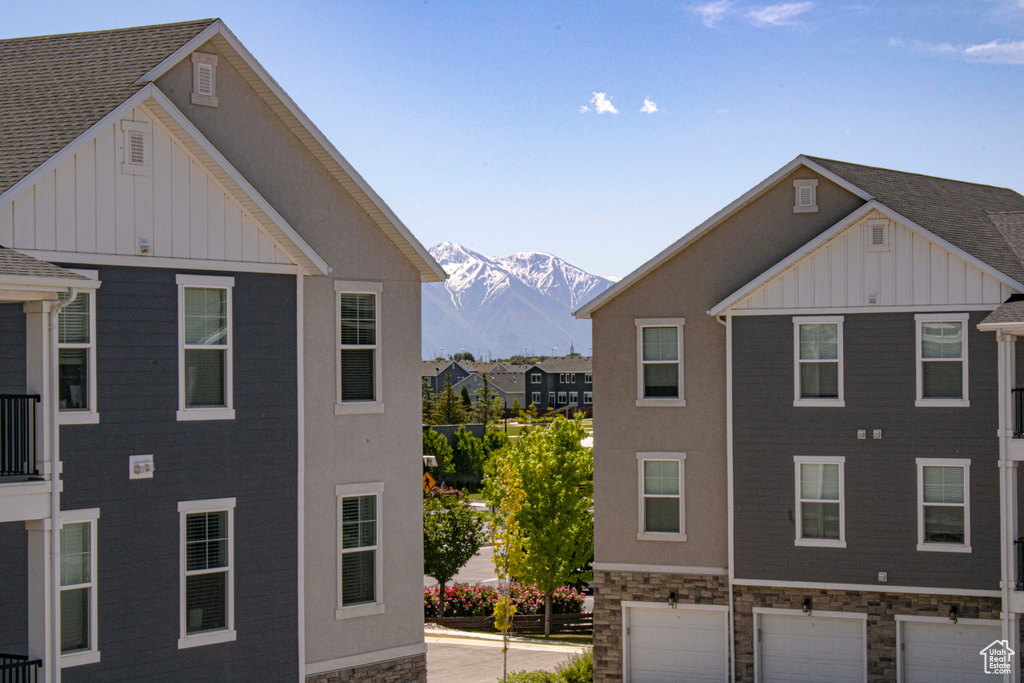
x=342 y=491
x=574 y=397
x=535 y=378
x=588 y=398
x=642 y=535
x=92 y=415
x=588 y=378
x=359 y=407
x=561 y=378
x=642 y=402
x=228 y=634
x=127 y=128
x=552 y=397
x=561 y=397
x=940 y=402
x=813 y=184
x=92 y=655
x=572 y=378
x=944 y=547
x=197 y=98
x=799 y=460
x=817 y=402
x=226 y=412
x=869 y=228
x=535 y=397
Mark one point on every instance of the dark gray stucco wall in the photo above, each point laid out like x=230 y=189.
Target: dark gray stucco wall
x=881 y=475
x=251 y=458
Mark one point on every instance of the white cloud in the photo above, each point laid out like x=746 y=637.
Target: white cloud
x=584 y=109
x=937 y=48
x=649 y=107
x=722 y=112
x=996 y=52
x=603 y=104
x=896 y=42
x=713 y=12
x=778 y=15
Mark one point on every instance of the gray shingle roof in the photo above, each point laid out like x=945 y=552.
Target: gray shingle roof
x=1010 y=312
x=976 y=218
x=509 y=382
x=15 y=264
x=53 y=88
x=567 y=364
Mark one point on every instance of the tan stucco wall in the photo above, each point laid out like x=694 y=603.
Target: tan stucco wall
x=686 y=286
x=338 y=449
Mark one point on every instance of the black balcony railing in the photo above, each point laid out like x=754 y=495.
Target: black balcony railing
x=1018 y=413
x=18 y=437
x=1018 y=547
x=19 y=669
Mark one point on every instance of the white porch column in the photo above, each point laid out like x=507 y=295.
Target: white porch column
x=38 y=379
x=1007 y=373
x=40 y=591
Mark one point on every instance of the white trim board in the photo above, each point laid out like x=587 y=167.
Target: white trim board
x=659 y=569
x=365 y=658
x=78 y=258
x=712 y=222
x=868 y=588
x=746 y=312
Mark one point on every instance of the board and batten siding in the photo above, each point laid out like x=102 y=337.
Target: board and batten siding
x=843 y=272
x=88 y=205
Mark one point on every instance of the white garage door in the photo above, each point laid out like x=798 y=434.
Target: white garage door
x=802 y=648
x=946 y=652
x=676 y=645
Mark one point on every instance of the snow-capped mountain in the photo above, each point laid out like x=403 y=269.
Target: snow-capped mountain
x=499 y=306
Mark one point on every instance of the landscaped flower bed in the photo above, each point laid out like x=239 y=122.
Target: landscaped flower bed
x=466 y=600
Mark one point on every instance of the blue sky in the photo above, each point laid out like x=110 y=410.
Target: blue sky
x=468 y=119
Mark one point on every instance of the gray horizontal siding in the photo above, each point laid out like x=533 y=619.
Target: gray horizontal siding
x=881 y=475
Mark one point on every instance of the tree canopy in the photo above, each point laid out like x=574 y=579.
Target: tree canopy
x=451 y=536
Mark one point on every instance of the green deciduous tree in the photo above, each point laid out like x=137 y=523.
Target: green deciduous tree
x=506 y=549
x=451 y=536
x=468 y=453
x=555 y=520
x=516 y=407
x=436 y=445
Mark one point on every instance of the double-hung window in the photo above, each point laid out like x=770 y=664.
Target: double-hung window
x=572 y=378
x=360 y=563
x=588 y=378
x=78 y=600
x=661 y=501
x=205 y=348
x=535 y=377
x=359 y=348
x=76 y=353
x=588 y=398
x=944 y=504
x=820 y=501
x=551 y=398
x=818 y=368
x=942 y=360
x=535 y=398
x=207 y=581
x=574 y=397
x=561 y=378
x=561 y=398
x=659 y=353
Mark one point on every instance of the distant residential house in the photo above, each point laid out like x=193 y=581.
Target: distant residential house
x=509 y=386
x=561 y=381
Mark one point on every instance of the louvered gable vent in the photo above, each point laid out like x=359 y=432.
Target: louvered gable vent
x=204 y=80
x=878 y=235
x=136 y=148
x=806 y=196
x=136 y=160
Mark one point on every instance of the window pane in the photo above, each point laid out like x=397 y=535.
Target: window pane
x=357 y=577
x=943 y=524
x=819 y=342
x=819 y=481
x=206 y=602
x=661 y=477
x=820 y=520
x=358 y=319
x=206 y=315
x=661 y=343
x=73 y=378
x=358 y=521
x=206 y=541
x=942 y=379
x=357 y=381
x=942 y=340
x=204 y=377
x=74 y=620
x=661 y=380
x=943 y=484
x=73 y=321
x=661 y=515
x=819 y=380
x=75 y=551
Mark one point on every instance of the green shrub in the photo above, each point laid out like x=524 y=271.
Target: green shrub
x=577 y=669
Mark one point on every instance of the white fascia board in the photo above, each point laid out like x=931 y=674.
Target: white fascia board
x=713 y=221
x=45 y=284
x=218 y=28
x=165 y=103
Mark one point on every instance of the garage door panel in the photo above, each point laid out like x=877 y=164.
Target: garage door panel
x=801 y=648
x=676 y=645
x=945 y=653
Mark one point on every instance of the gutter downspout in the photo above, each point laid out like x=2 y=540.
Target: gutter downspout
x=55 y=486
x=1006 y=371
x=728 y=450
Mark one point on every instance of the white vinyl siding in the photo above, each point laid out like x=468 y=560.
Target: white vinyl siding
x=207 y=572
x=660 y=489
x=942 y=378
x=360 y=558
x=78 y=588
x=659 y=354
x=944 y=504
x=818 y=377
x=820 y=501
x=359 y=363
x=76 y=344
x=205 y=334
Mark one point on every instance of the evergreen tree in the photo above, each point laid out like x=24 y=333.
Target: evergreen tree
x=448 y=408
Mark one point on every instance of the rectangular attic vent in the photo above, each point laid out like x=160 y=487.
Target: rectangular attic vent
x=806 y=196
x=136 y=159
x=878 y=235
x=204 y=79
x=136 y=148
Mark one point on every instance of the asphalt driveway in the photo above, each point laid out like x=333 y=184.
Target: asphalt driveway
x=457 y=660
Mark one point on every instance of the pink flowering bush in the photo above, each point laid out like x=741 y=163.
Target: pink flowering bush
x=467 y=600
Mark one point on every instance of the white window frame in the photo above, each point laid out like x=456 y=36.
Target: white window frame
x=209 y=61
x=805 y=208
x=572 y=378
x=186 y=508
x=798 y=400
x=923 y=402
x=574 y=397
x=965 y=463
x=641 y=401
x=869 y=228
x=359 y=407
x=642 y=535
x=227 y=411
x=92 y=415
x=588 y=398
x=137 y=127
x=552 y=398
x=561 y=378
x=92 y=655
x=535 y=378
x=588 y=378
x=561 y=398
x=342 y=491
x=799 y=460
x=535 y=398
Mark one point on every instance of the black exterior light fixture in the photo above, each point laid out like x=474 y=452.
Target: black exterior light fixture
x=807 y=606
x=954 y=613
x=672 y=599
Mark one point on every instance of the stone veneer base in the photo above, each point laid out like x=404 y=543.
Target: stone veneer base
x=395 y=671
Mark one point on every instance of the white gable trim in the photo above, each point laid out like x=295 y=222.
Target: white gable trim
x=843 y=224
x=430 y=270
x=688 y=238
